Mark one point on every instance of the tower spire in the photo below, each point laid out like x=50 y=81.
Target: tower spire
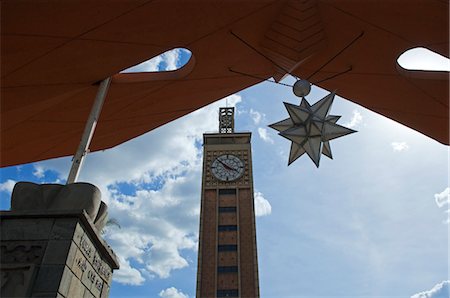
x=226 y=120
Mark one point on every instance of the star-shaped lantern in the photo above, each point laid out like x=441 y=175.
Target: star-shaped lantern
x=310 y=128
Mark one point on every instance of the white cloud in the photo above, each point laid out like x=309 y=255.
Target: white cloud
x=158 y=224
x=264 y=136
x=447 y=221
x=256 y=116
x=443 y=197
x=159 y=216
x=356 y=119
x=7 y=186
x=262 y=206
x=39 y=172
x=441 y=290
x=127 y=275
x=399 y=146
x=170 y=58
x=147 y=66
x=172 y=293
x=232 y=101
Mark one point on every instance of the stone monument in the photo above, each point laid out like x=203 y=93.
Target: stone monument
x=51 y=244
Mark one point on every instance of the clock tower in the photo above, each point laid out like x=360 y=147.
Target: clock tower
x=227 y=259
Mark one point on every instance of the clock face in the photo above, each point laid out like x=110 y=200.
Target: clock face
x=227 y=167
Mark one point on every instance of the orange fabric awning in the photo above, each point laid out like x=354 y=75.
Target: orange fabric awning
x=53 y=54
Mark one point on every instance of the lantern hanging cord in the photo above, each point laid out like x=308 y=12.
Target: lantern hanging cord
x=335 y=56
x=260 y=53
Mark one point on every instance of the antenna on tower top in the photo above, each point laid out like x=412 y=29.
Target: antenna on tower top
x=226 y=120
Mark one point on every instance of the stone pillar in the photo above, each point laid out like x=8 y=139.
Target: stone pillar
x=53 y=253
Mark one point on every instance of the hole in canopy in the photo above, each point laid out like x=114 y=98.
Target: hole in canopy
x=423 y=59
x=171 y=60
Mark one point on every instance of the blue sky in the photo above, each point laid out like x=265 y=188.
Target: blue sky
x=373 y=222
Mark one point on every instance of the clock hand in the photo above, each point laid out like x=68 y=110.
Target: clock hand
x=227 y=166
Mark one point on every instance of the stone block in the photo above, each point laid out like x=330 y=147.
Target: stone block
x=86 y=247
x=79 y=232
x=71 y=255
x=66 y=279
x=64 y=228
x=48 y=279
x=97 y=287
x=105 y=291
x=102 y=268
x=107 y=275
x=76 y=288
x=88 y=294
x=16 y=279
x=79 y=265
x=29 y=229
x=22 y=251
x=57 y=251
x=46 y=295
x=88 y=276
x=71 y=260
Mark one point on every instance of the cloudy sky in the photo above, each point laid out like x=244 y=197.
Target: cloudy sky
x=373 y=222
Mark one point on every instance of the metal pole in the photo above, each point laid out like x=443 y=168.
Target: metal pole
x=89 y=129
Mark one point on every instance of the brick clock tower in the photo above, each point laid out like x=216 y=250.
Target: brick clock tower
x=227 y=259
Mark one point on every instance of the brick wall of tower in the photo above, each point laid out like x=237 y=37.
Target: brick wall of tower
x=247 y=245
x=208 y=244
x=227 y=248
x=227 y=280
x=228 y=218
x=228 y=258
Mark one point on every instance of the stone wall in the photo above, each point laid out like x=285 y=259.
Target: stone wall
x=53 y=254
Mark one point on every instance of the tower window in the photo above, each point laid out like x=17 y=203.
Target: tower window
x=228 y=293
x=227 y=247
x=226 y=228
x=227 y=191
x=227 y=269
x=227 y=209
